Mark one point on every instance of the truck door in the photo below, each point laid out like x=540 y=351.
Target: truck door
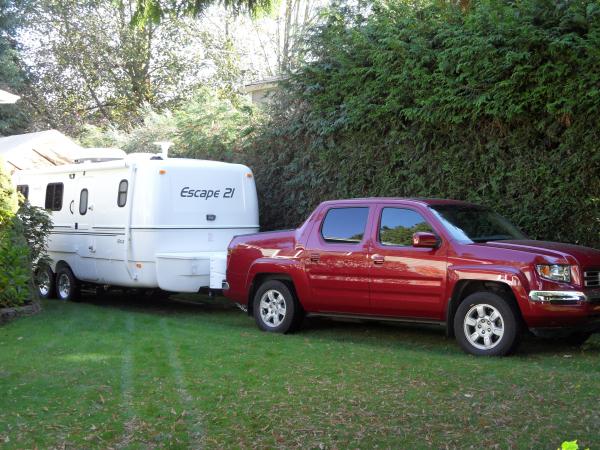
x=406 y=281
x=83 y=214
x=337 y=261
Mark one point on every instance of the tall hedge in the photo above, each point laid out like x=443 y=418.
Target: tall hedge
x=497 y=104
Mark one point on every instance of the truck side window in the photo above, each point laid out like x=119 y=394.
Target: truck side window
x=398 y=225
x=54 y=196
x=23 y=189
x=83 y=202
x=122 y=195
x=345 y=225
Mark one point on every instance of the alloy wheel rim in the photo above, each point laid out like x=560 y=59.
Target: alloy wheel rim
x=484 y=326
x=272 y=308
x=64 y=285
x=44 y=283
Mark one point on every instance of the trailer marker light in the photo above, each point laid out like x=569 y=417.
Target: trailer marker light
x=249 y=175
x=138 y=265
x=162 y=171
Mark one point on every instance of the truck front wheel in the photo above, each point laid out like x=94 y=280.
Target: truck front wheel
x=275 y=307
x=485 y=324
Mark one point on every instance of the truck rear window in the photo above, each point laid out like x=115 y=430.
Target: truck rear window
x=345 y=225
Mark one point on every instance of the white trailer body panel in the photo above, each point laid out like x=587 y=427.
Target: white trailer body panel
x=168 y=228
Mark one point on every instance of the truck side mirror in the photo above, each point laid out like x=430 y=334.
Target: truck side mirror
x=425 y=239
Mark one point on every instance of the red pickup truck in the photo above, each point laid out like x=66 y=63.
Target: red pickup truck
x=442 y=262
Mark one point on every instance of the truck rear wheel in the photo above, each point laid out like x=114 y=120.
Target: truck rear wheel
x=276 y=308
x=67 y=286
x=485 y=324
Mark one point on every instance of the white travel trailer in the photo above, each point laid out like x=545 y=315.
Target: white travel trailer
x=141 y=221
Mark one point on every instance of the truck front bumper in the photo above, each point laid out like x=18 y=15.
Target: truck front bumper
x=571 y=310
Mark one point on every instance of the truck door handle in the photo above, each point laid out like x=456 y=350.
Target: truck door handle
x=314 y=257
x=378 y=259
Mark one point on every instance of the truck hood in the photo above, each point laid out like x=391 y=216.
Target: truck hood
x=585 y=256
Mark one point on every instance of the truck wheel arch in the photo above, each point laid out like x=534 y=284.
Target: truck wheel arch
x=260 y=278
x=464 y=288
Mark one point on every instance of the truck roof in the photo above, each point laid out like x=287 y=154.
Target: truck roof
x=415 y=200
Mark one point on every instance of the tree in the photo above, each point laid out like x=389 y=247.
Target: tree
x=13 y=117
x=154 y=11
x=206 y=126
x=88 y=64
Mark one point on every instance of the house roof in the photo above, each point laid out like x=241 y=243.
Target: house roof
x=7 y=97
x=261 y=85
x=43 y=149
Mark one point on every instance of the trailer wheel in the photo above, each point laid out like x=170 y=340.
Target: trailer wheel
x=276 y=309
x=45 y=282
x=67 y=286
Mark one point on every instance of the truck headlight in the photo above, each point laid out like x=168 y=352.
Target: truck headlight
x=554 y=272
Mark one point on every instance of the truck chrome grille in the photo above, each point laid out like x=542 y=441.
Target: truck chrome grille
x=591 y=278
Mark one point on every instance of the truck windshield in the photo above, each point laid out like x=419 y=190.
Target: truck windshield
x=468 y=223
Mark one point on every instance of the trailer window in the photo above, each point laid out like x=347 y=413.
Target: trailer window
x=83 y=202
x=54 y=196
x=345 y=225
x=23 y=189
x=122 y=196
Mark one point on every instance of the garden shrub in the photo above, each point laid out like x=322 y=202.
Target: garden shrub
x=15 y=268
x=23 y=234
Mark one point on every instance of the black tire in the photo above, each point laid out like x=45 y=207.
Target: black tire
x=491 y=334
x=67 y=286
x=45 y=282
x=577 y=339
x=276 y=308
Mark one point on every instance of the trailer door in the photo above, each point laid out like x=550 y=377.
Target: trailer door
x=86 y=239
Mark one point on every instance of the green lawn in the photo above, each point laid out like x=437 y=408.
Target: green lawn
x=134 y=373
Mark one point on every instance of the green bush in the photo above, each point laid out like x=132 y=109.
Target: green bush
x=35 y=224
x=23 y=234
x=15 y=268
x=498 y=104
x=8 y=198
